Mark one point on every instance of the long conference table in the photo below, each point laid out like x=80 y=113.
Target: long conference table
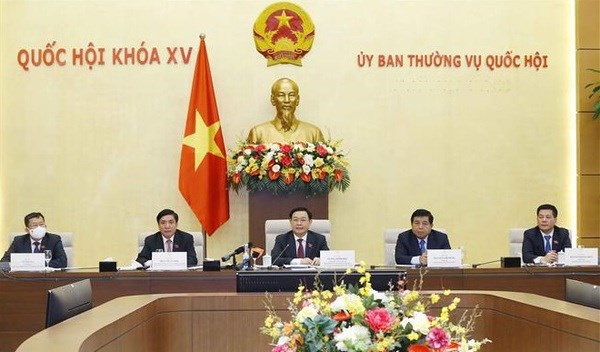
x=23 y=295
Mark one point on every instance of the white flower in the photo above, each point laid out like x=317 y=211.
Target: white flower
x=297 y=147
x=308 y=160
x=248 y=151
x=306 y=312
x=319 y=162
x=306 y=169
x=283 y=340
x=276 y=168
x=419 y=322
x=310 y=148
x=274 y=147
x=269 y=155
x=241 y=160
x=329 y=150
x=380 y=296
x=355 y=338
x=345 y=302
x=239 y=168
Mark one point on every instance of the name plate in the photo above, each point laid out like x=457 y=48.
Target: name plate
x=169 y=260
x=581 y=256
x=444 y=258
x=27 y=262
x=337 y=259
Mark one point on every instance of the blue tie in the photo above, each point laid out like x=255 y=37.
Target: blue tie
x=37 y=247
x=422 y=246
x=548 y=247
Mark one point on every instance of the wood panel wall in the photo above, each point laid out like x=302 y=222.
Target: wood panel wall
x=587 y=22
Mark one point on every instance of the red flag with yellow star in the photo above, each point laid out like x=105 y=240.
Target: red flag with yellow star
x=203 y=165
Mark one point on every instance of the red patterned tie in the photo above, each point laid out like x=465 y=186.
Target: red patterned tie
x=300 y=252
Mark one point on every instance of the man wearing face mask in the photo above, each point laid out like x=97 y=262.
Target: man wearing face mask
x=37 y=240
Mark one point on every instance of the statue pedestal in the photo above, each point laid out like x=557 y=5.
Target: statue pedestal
x=264 y=205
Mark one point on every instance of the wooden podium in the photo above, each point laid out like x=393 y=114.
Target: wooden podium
x=264 y=205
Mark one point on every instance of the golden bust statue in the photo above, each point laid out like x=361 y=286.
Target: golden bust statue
x=285 y=126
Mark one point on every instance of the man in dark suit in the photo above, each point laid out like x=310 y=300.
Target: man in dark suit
x=542 y=243
x=412 y=245
x=168 y=239
x=37 y=240
x=300 y=245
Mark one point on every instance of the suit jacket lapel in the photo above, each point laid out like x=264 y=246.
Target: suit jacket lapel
x=311 y=246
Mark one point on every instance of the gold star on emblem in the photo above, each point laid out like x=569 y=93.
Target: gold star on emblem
x=203 y=140
x=284 y=19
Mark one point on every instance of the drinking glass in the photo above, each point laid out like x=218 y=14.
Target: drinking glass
x=47 y=257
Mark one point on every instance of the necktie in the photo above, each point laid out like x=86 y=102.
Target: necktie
x=169 y=246
x=548 y=247
x=300 y=251
x=37 y=247
x=422 y=246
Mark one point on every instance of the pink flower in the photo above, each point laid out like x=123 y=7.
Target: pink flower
x=280 y=348
x=379 y=319
x=438 y=338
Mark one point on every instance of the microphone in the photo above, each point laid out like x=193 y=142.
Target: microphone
x=484 y=263
x=280 y=254
x=237 y=251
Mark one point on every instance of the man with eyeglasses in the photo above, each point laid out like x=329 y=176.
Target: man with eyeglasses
x=38 y=240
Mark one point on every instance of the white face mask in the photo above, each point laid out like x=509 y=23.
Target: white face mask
x=37 y=233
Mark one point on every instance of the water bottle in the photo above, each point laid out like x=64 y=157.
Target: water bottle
x=246 y=264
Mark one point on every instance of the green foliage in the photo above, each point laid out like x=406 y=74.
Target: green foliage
x=595 y=88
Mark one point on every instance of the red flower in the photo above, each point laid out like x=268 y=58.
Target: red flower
x=337 y=175
x=236 y=178
x=286 y=148
x=260 y=148
x=305 y=177
x=286 y=160
x=254 y=172
x=288 y=178
x=341 y=316
x=322 y=175
x=274 y=175
x=379 y=319
x=321 y=150
x=418 y=348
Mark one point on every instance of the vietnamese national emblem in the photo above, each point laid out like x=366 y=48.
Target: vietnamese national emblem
x=283 y=33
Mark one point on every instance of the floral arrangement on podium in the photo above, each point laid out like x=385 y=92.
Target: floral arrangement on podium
x=360 y=319
x=283 y=168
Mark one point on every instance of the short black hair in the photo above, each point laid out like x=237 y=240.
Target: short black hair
x=166 y=212
x=301 y=209
x=33 y=216
x=547 y=207
x=421 y=212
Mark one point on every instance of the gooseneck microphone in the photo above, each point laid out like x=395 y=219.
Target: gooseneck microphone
x=485 y=263
x=280 y=254
x=237 y=251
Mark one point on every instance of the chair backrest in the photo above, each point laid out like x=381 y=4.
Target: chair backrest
x=515 y=242
x=66 y=239
x=390 y=236
x=198 y=243
x=278 y=226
